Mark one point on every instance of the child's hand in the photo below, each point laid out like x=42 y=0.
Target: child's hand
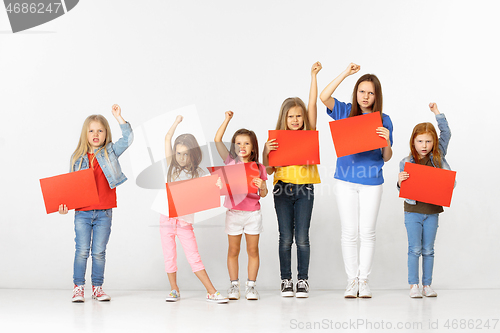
x=259 y=183
x=352 y=68
x=63 y=209
x=383 y=133
x=229 y=115
x=116 y=110
x=270 y=145
x=316 y=67
x=402 y=177
x=434 y=108
x=178 y=119
x=219 y=183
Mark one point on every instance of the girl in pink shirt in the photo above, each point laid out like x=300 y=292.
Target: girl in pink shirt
x=243 y=214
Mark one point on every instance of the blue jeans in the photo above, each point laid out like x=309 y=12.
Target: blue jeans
x=293 y=204
x=92 y=229
x=421 y=229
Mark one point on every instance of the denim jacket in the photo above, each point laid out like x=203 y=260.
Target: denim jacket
x=444 y=140
x=111 y=168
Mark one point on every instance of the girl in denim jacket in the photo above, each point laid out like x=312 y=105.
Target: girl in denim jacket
x=421 y=219
x=93 y=223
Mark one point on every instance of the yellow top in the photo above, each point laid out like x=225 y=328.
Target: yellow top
x=297 y=174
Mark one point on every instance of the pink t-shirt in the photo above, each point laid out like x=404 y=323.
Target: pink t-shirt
x=248 y=202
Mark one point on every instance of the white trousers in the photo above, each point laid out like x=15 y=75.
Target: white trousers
x=358 y=207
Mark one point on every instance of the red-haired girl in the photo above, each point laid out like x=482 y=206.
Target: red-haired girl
x=421 y=219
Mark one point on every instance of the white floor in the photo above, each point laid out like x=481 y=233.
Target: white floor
x=325 y=310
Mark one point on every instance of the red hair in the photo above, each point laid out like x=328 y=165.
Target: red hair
x=426 y=128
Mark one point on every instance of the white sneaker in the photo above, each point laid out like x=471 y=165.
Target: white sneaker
x=174 y=296
x=364 y=290
x=427 y=291
x=251 y=291
x=234 y=291
x=415 y=291
x=216 y=298
x=351 y=291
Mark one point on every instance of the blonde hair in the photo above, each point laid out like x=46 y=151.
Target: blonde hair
x=426 y=128
x=285 y=107
x=84 y=146
x=195 y=157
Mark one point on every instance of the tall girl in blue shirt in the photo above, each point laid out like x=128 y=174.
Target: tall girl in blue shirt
x=96 y=150
x=359 y=180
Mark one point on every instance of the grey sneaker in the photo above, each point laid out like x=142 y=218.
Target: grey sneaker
x=302 y=290
x=287 y=288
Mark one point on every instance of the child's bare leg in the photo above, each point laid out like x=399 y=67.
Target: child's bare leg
x=172 y=278
x=233 y=253
x=203 y=276
x=253 y=256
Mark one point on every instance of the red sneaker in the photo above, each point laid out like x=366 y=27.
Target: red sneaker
x=78 y=294
x=99 y=294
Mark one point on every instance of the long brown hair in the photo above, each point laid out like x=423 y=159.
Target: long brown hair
x=426 y=128
x=377 y=105
x=254 y=156
x=285 y=107
x=195 y=157
x=84 y=146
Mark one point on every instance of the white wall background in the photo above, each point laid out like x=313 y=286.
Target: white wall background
x=152 y=57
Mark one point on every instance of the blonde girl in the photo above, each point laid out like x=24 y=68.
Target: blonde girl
x=294 y=192
x=183 y=160
x=243 y=214
x=359 y=180
x=96 y=150
x=421 y=219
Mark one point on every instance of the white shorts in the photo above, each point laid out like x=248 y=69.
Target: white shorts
x=242 y=221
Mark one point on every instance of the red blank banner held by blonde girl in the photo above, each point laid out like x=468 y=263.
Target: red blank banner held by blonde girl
x=295 y=148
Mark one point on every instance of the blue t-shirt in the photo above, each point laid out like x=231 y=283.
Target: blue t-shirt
x=362 y=168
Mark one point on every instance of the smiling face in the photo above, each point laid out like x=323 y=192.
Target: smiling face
x=244 y=147
x=96 y=134
x=423 y=144
x=295 y=118
x=366 y=96
x=182 y=155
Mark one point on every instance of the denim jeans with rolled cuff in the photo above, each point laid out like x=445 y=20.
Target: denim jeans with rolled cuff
x=92 y=230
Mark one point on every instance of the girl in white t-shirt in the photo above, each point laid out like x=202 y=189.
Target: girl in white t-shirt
x=243 y=214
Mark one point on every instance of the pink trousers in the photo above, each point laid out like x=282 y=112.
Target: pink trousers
x=169 y=228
